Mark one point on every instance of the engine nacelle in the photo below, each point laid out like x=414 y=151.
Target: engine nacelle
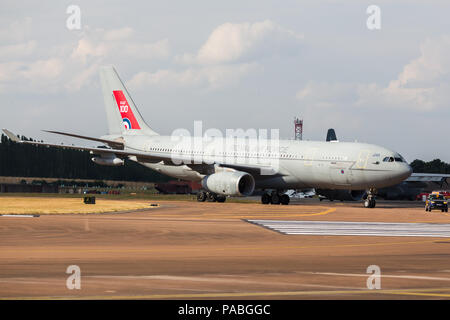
x=108 y=161
x=348 y=195
x=233 y=183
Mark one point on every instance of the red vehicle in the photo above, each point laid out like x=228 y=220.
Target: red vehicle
x=420 y=196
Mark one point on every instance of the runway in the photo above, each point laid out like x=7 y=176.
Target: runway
x=190 y=250
x=331 y=228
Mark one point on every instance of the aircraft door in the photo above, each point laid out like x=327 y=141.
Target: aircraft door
x=362 y=159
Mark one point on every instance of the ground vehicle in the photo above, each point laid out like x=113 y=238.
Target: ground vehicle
x=436 y=201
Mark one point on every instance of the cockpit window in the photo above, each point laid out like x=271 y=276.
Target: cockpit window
x=392 y=159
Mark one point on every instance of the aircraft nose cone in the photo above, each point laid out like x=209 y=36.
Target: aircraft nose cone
x=405 y=171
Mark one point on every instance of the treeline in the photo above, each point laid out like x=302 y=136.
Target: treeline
x=434 y=166
x=26 y=160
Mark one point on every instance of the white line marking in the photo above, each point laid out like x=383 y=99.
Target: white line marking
x=20 y=215
x=340 y=228
x=411 y=277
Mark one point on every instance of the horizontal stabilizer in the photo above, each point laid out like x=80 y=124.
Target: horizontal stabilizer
x=11 y=135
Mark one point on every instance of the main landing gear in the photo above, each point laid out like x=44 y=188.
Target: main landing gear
x=203 y=196
x=275 y=198
x=370 y=201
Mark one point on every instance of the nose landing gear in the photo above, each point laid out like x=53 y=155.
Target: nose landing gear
x=370 y=201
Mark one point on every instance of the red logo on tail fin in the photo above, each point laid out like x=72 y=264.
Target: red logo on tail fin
x=129 y=121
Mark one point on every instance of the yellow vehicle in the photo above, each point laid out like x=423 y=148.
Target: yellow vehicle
x=436 y=201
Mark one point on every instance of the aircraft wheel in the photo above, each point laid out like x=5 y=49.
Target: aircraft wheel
x=211 y=197
x=220 y=198
x=284 y=199
x=265 y=198
x=369 y=203
x=275 y=199
x=201 y=196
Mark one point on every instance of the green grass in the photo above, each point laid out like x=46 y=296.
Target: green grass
x=139 y=195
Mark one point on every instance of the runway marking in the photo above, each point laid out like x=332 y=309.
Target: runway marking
x=382 y=276
x=64 y=250
x=413 y=292
x=217 y=279
x=346 y=228
x=20 y=215
x=442 y=295
x=258 y=214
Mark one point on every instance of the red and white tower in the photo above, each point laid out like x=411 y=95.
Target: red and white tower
x=298 y=127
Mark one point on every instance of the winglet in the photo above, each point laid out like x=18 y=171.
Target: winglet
x=11 y=135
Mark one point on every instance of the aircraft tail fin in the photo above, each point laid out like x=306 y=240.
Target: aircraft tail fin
x=122 y=114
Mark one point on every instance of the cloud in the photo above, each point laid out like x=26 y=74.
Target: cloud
x=39 y=75
x=231 y=52
x=326 y=94
x=17 y=31
x=209 y=76
x=119 y=43
x=19 y=50
x=73 y=65
x=231 y=42
x=423 y=85
x=433 y=63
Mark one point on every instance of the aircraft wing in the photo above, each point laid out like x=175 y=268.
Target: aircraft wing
x=428 y=177
x=112 y=143
x=150 y=156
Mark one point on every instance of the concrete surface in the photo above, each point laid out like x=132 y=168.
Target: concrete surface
x=190 y=250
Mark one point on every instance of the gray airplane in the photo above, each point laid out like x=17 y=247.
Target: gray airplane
x=406 y=190
x=237 y=166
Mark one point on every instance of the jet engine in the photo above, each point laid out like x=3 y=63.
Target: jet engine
x=108 y=160
x=348 y=195
x=234 y=183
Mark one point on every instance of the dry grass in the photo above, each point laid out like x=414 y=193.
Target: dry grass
x=28 y=205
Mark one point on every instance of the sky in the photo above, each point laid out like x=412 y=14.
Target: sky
x=234 y=64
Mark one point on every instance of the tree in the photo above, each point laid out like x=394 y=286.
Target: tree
x=26 y=160
x=434 y=166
